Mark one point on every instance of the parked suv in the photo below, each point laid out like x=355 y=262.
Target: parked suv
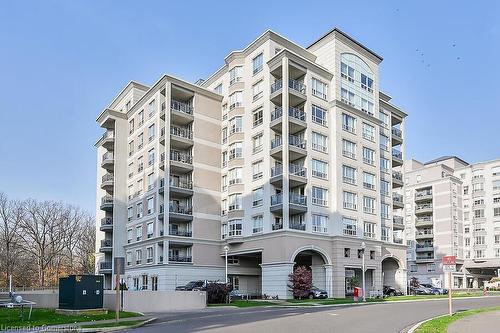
x=391 y=291
x=317 y=293
x=435 y=290
x=193 y=285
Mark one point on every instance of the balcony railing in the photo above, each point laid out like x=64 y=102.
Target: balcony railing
x=105 y=265
x=396 y=175
x=180 y=209
x=108 y=135
x=276 y=113
x=277 y=85
x=297 y=226
x=276 y=199
x=180 y=258
x=277 y=226
x=298 y=199
x=297 y=113
x=397 y=132
x=181 y=233
x=398 y=198
x=424 y=257
x=181 y=106
x=421 y=194
x=292 y=84
x=276 y=142
x=298 y=170
x=181 y=132
x=398 y=240
x=107 y=200
x=350 y=231
x=106 y=243
x=106 y=221
x=276 y=170
x=181 y=183
x=107 y=157
x=297 y=142
x=107 y=178
x=181 y=157
x=397 y=219
x=397 y=154
x=423 y=207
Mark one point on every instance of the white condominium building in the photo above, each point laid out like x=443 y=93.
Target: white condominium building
x=287 y=155
x=453 y=208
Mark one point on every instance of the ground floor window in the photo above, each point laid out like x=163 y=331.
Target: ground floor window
x=136 y=283
x=235 y=282
x=144 y=282
x=154 y=283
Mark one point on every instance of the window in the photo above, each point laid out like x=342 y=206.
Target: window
x=368 y=132
x=129 y=236
x=224 y=135
x=257 y=117
x=372 y=255
x=235 y=176
x=348 y=149
x=319 y=115
x=319 y=196
x=257 y=197
x=131 y=148
x=224 y=158
x=151 y=181
x=368 y=156
x=257 y=90
x=384 y=187
x=349 y=226
x=138 y=257
x=234 y=227
x=152 y=108
x=496 y=200
x=140 y=164
x=369 y=230
x=218 y=89
x=479 y=254
x=349 y=174
x=369 y=205
x=224 y=207
x=140 y=115
x=319 y=169
x=368 y=180
x=384 y=142
x=478 y=213
x=366 y=83
x=466 y=190
x=367 y=106
x=151 y=132
x=319 y=142
x=384 y=211
x=467 y=241
x=140 y=141
x=384 y=118
x=235 y=201
x=257 y=170
x=257 y=143
x=384 y=165
x=319 y=223
x=139 y=210
x=347 y=97
x=319 y=88
x=479 y=240
x=138 y=233
x=413 y=268
x=496 y=211
x=385 y=234
x=149 y=254
x=151 y=205
x=130 y=213
x=140 y=186
x=258 y=63
x=431 y=267
x=348 y=123
x=144 y=282
x=129 y=258
x=496 y=185
x=236 y=125
x=347 y=72
x=235 y=150
x=257 y=224
x=235 y=99
x=131 y=126
x=347 y=252
x=154 y=283
x=350 y=200
x=235 y=74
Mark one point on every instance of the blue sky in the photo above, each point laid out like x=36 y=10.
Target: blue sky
x=61 y=62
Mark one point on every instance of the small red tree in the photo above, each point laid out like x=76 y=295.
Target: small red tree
x=300 y=282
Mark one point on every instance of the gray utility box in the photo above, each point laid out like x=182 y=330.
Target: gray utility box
x=80 y=292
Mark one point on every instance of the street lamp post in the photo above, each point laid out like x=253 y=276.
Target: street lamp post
x=226 y=249
x=363 y=247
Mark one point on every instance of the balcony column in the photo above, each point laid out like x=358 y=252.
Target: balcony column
x=166 y=151
x=285 y=148
x=329 y=279
x=165 y=251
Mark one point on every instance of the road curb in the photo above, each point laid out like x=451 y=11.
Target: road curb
x=417 y=325
x=116 y=329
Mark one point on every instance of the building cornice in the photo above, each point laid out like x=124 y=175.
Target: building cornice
x=392 y=108
x=276 y=61
x=347 y=107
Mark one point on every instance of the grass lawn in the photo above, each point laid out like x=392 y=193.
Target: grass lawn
x=440 y=325
x=120 y=324
x=39 y=317
x=245 y=304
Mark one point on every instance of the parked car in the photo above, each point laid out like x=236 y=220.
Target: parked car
x=391 y=291
x=317 y=293
x=193 y=285
x=435 y=290
x=420 y=290
x=236 y=294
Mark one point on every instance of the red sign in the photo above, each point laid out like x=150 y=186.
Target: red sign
x=449 y=260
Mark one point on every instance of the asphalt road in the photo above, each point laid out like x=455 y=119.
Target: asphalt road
x=381 y=318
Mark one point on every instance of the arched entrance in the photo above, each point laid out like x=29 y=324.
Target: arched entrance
x=318 y=261
x=390 y=273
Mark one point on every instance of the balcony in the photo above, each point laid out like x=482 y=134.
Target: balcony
x=180 y=259
x=180 y=233
x=180 y=137
x=161 y=212
x=180 y=212
x=425 y=195
x=106 y=224
x=296 y=120
x=108 y=140
x=297 y=203
x=397 y=200
x=297 y=226
x=397 y=240
x=180 y=187
x=397 y=158
x=180 y=162
x=181 y=112
x=106 y=245
x=424 y=259
x=426 y=234
x=398 y=223
x=296 y=146
x=297 y=91
x=108 y=161
x=397 y=136
x=297 y=175
x=352 y=231
x=162 y=111
x=107 y=182
x=424 y=247
x=397 y=179
x=107 y=203
x=423 y=209
x=424 y=221
x=105 y=267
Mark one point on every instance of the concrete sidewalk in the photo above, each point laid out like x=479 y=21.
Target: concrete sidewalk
x=482 y=322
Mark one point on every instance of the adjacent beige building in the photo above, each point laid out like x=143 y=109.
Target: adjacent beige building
x=453 y=208
x=288 y=155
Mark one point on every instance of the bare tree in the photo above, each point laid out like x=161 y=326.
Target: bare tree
x=85 y=250
x=11 y=214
